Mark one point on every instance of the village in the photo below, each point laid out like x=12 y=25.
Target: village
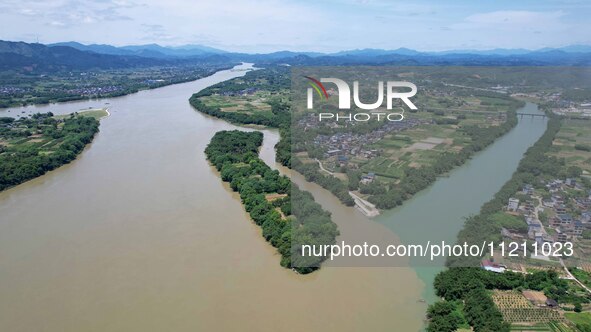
x=561 y=214
x=92 y=90
x=344 y=146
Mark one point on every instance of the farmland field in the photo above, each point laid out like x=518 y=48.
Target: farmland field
x=573 y=143
x=517 y=309
x=580 y=319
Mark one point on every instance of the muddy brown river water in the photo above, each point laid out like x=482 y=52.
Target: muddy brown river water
x=140 y=234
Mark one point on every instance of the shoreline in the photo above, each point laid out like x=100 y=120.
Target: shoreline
x=194 y=231
x=365 y=207
x=86 y=98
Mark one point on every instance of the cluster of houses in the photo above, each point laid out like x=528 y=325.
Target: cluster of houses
x=582 y=110
x=243 y=92
x=343 y=146
x=9 y=90
x=565 y=226
x=567 y=107
x=346 y=145
x=94 y=90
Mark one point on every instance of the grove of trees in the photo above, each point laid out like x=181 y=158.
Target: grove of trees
x=235 y=156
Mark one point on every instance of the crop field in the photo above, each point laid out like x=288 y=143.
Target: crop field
x=248 y=104
x=517 y=309
x=37 y=134
x=414 y=147
x=550 y=327
x=573 y=143
x=419 y=146
x=385 y=167
x=76 y=85
x=580 y=318
x=582 y=275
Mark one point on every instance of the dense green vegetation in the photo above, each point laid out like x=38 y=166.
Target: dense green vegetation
x=582 y=276
x=312 y=173
x=471 y=287
x=235 y=156
x=275 y=79
x=502 y=219
x=31 y=147
x=581 y=320
x=283 y=147
x=445 y=316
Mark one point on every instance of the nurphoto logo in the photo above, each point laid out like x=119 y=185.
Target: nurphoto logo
x=344 y=99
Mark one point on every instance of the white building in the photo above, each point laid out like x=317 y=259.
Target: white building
x=513 y=204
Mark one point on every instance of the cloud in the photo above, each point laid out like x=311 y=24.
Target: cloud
x=153 y=27
x=157 y=32
x=57 y=24
x=68 y=13
x=514 y=19
x=271 y=25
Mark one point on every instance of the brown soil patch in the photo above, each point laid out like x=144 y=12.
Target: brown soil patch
x=272 y=197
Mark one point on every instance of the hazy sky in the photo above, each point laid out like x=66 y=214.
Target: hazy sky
x=316 y=25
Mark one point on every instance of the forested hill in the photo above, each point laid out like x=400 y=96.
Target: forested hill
x=34 y=57
x=21 y=56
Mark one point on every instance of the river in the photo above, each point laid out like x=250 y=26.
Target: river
x=438 y=213
x=140 y=234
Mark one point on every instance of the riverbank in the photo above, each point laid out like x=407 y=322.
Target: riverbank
x=478 y=229
x=158 y=241
x=404 y=161
x=368 y=209
x=96 y=113
x=438 y=213
x=30 y=147
x=445 y=220
x=94 y=87
x=269 y=197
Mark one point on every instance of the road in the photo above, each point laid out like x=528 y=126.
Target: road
x=322 y=167
x=573 y=277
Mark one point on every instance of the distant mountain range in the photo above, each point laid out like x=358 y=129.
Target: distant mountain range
x=75 y=56
x=157 y=51
x=36 y=57
x=147 y=51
